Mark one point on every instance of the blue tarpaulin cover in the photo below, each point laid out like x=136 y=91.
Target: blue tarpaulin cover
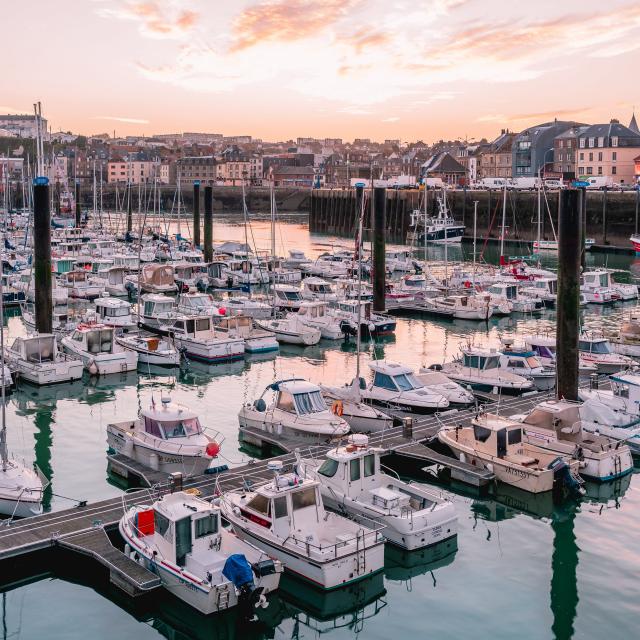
x=238 y=570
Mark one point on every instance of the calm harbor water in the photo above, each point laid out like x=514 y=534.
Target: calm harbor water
x=520 y=567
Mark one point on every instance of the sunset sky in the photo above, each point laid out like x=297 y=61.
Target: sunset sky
x=277 y=69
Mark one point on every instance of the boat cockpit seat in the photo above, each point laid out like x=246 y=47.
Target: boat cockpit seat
x=523 y=460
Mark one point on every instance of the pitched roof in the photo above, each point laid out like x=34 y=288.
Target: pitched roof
x=293 y=170
x=610 y=129
x=633 y=125
x=443 y=162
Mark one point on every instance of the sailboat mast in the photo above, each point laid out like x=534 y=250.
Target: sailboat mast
x=539 y=221
x=359 y=330
x=504 y=218
x=3 y=431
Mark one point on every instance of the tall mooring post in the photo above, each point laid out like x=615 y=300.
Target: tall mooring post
x=78 y=209
x=129 y=212
x=583 y=214
x=196 y=213
x=379 y=266
x=568 y=305
x=208 y=224
x=42 y=255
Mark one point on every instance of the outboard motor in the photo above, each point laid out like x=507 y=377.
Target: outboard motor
x=238 y=571
x=347 y=328
x=435 y=367
x=564 y=480
x=417 y=267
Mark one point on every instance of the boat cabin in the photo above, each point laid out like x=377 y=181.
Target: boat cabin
x=93 y=338
x=508 y=291
x=481 y=359
x=128 y=262
x=318 y=287
x=295 y=396
x=286 y=295
x=157 y=276
x=170 y=420
x=36 y=348
x=598 y=345
x=597 y=278
x=113 y=310
x=313 y=310
x=157 y=305
x=523 y=359
x=394 y=377
x=184 y=530
x=351 y=307
x=543 y=347
x=62 y=265
x=560 y=416
x=626 y=385
x=198 y=304
x=498 y=437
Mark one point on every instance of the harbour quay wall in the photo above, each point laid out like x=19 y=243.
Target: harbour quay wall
x=611 y=216
x=225 y=198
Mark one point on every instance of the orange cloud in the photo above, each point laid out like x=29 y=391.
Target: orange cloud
x=363 y=39
x=286 y=20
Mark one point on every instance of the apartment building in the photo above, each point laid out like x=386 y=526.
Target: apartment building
x=132 y=171
x=202 y=168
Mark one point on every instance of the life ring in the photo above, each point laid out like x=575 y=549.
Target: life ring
x=337 y=408
x=531 y=278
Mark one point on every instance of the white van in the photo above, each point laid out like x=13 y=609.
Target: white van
x=433 y=183
x=600 y=182
x=525 y=183
x=492 y=183
x=553 y=183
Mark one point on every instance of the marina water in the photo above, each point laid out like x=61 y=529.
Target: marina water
x=521 y=566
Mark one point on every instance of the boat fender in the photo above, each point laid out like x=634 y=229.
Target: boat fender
x=489 y=467
x=337 y=408
x=462 y=456
x=92 y=367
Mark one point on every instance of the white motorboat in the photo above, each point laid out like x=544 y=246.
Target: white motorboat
x=627 y=339
x=115 y=312
x=524 y=362
x=395 y=385
x=291 y=330
x=508 y=292
x=433 y=378
x=296 y=259
x=151 y=349
x=167 y=437
x=256 y=340
x=543 y=289
x=286 y=518
x=316 y=315
x=60 y=322
x=156 y=310
x=479 y=369
x=348 y=403
x=472 y=307
x=36 y=359
x=198 y=304
x=287 y=297
x=199 y=339
x=181 y=538
x=296 y=407
x=595 y=349
x=399 y=261
x=495 y=443
x=81 y=284
x=155 y=278
x=352 y=482
x=556 y=427
x=242 y=306
x=371 y=324
x=314 y=288
x=597 y=279
x=544 y=347
x=95 y=345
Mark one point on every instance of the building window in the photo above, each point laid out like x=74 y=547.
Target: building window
x=614 y=170
x=599 y=171
x=614 y=155
x=590 y=157
x=599 y=156
x=569 y=144
x=560 y=144
x=589 y=171
x=614 y=141
x=581 y=156
x=601 y=141
x=581 y=170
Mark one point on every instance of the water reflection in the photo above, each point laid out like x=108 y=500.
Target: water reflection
x=402 y=565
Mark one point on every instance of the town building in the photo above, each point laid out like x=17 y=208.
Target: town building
x=495 y=158
x=132 y=171
x=167 y=173
x=192 y=168
x=444 y=166
x=608 y=150
x=533 y=148
x=23 y=126
x=291 y=176
x=565 y=153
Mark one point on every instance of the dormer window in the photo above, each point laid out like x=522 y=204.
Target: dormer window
x=614 y=141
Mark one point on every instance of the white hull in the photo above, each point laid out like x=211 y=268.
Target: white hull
x=45 y=374
x=22 y=509
x=105 y=363
x=212 y=350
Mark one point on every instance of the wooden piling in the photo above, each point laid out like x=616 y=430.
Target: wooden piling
x=379 y=245
x=78 y=209
x=42 y=255
x=568 y=305
x=196 y=213
x=604 y=215
x=208 y=224
x=129 y=212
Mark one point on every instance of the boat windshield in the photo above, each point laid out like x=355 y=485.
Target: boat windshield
x=310 y=402
x=407 y=382
x=100 y=341
x=328 y=468
x=181 y=428
x=290 y=295
x=594 y=347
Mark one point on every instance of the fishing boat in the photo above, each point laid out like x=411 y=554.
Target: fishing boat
x=508 y=292
x=198 y=304
x=296 y=259
x=200 y=339
x=495 y=443
x=601 y=278
x=314 y=288
x=80 y=284
x=522 y=361
x=115 y=312
x=154 y=278
x=181 y=538
x=36 y=359
x=440 y=229
x=352 y=482
x=287 y=297
x=463 y=307
x=286 y=518
x=296 y=407
x=395 y=385
x=250 y=307
x=94 y=344
x=595 y=349
x=317 y=315
x=556 y=427
x=256 y=340
x=167 y=437
x=479 y=369
x=155 y=311
x=291 y=330
x=371 y=324
x=151 y=349
x=544 y=347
